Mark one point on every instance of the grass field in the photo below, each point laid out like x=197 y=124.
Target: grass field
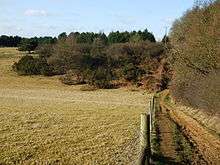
x=45 y=122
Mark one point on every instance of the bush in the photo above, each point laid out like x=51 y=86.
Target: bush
x=100 y=78
x=45 y=50
x=71 y=78
x=44 y=67
x=132 y=72
x=90 y=58
x=27 y=65
x=68 y=56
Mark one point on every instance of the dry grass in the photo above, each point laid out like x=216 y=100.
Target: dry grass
x=43 y=121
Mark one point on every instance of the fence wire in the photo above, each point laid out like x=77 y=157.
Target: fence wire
x=132 y=149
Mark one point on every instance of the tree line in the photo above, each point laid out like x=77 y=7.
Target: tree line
x=112 y=37
x=10 y=41
x=195 y=57
x=96 y=59
x=16 y=41
x=30 y=44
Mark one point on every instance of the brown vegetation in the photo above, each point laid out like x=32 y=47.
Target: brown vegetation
x=99 y=64
x=206 y=143
x=196 y=57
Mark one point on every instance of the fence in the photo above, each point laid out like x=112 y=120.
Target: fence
x=146 y=132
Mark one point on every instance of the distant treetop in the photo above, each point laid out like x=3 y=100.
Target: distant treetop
x=29 y=44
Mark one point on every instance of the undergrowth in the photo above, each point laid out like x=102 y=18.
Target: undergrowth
x=183 y=147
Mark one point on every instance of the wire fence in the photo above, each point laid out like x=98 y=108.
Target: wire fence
x=146 y=133
x=133 y=151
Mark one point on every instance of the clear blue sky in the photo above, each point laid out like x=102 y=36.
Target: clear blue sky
x=51 y=17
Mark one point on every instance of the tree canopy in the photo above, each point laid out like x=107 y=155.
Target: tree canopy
x=9 y=41
x=195 y=56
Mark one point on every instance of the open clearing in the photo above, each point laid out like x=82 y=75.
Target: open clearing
x=43 y=121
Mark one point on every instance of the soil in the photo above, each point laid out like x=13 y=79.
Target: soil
x=167 y=146
x=205 y=145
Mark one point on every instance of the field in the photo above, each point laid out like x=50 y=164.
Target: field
x=45 y=122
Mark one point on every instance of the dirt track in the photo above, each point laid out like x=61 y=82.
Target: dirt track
x=207 y=144
x=167 y=146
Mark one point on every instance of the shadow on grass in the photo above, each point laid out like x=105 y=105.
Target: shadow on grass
x=161 y=160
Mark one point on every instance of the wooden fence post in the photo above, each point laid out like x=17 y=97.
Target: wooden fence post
x=153 y=108
x=148 y=140
x=151 y=116
x=145 y=150
x=153 y=104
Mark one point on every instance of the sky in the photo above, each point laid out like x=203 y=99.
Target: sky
x=30 y=18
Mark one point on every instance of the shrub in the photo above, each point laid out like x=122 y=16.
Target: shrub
x=68 y=56
x=45 y=50
x=132 y=72
x=27 y=65
x=71 y=78
x=44 y=67
x=90 y=58
x=102 y=78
